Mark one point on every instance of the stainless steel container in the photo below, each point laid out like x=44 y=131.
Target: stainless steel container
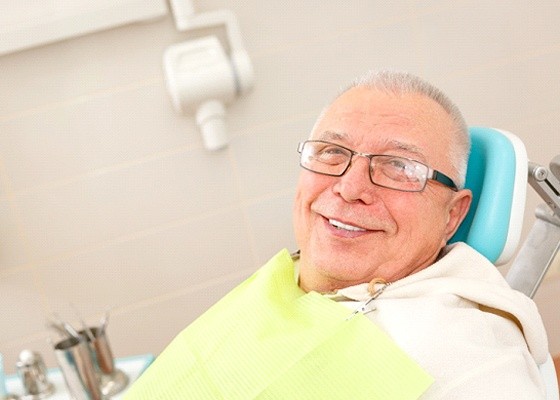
x=75 y=360
x=113 y=380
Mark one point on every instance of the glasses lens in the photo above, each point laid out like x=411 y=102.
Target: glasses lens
x=398 y=173
x=324 y=158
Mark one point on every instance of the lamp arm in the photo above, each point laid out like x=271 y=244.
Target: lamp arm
x=546 y=184
x=541 y=246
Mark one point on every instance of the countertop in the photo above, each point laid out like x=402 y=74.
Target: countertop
x=132 y=366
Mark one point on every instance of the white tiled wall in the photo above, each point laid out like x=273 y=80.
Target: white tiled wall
x=108 y=199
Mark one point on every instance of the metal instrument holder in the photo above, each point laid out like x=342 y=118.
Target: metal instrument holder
x=543 y=242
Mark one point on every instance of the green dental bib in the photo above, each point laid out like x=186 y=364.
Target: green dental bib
x=268 y=339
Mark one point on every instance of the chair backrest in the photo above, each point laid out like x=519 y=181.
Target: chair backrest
x=497 y=177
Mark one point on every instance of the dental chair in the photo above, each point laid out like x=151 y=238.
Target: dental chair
x=497 y=174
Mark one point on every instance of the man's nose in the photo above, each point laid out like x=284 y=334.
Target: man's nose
x=355 y=184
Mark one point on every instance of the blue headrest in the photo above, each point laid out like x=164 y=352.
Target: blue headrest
x=493 y=224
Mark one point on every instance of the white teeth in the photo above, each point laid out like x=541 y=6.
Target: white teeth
x=340 y=225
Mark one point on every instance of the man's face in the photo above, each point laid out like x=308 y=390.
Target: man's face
x=351 y=231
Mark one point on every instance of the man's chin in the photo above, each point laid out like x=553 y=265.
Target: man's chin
x=334 y=273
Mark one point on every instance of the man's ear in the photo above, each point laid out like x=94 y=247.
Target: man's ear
x=458 y=209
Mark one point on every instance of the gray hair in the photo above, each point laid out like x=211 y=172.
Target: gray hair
x=401 y=83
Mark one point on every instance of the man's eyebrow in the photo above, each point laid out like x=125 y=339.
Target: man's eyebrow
x=332 y=135
x=392 y=144
x=397 y=144
x=407 y=147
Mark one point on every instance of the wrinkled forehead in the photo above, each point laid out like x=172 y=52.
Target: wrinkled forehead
x=377 y=121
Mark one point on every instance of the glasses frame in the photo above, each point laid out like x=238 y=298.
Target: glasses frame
x=433 y=175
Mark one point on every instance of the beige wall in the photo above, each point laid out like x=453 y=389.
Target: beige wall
x=108 y=200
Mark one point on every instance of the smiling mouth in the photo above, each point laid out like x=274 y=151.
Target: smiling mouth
x=346 y=227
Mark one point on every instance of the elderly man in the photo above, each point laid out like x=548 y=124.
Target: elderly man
x=375 y=305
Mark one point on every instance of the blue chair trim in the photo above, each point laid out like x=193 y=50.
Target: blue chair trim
x=491 y=178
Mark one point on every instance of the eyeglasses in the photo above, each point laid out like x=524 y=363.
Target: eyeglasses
x=388 y=171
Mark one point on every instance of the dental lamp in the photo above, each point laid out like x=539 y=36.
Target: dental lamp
x=201 y=78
